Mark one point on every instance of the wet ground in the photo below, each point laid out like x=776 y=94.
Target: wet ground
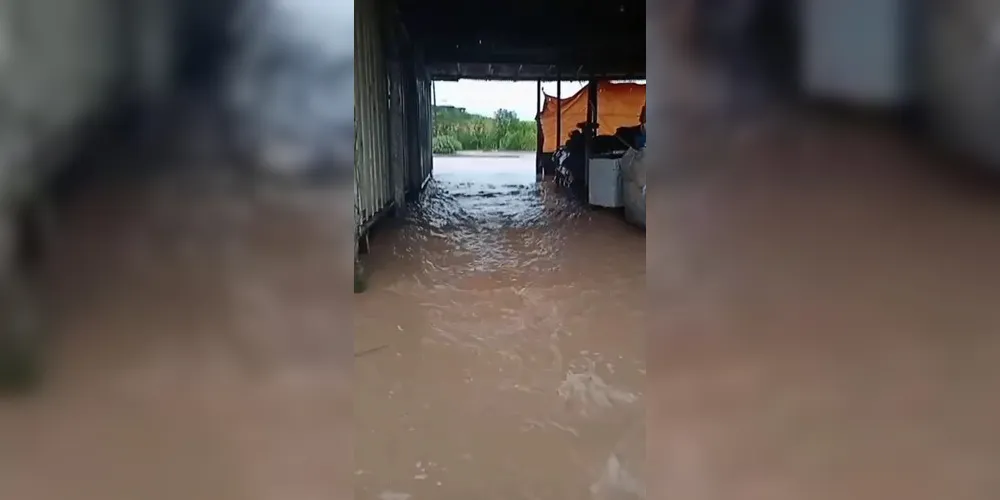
x=198 y=346
x=824 y=299
x=501 y=345
x=822 y=325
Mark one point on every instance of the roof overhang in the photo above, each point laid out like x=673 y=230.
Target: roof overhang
x=529 y=40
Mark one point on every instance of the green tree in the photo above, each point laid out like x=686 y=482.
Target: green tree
x=446 y=145
x=505 y=123
x=502 y=131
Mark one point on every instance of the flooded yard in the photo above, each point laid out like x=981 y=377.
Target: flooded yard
x=503 y=344
x=198 y=347
x=822 y=325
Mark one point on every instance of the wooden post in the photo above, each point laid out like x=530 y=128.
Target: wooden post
x=539 y=170
x=559 y=134
x=593 y=89
x=591 y=131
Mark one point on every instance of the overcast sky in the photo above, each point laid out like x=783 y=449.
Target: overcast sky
x=484 y=98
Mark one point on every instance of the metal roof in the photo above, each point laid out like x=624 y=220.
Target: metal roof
x=529 y=40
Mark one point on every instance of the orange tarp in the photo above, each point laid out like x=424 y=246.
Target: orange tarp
x=618 y=105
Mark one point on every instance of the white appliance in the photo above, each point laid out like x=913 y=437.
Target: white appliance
x=605 y=183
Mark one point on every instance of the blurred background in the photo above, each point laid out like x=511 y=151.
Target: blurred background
x=174 y=249
x=809 y=315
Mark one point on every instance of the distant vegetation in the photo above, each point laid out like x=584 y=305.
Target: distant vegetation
x=458 y=130
x=446 y=145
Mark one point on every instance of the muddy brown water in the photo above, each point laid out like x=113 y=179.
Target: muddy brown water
x=200 y=347
x=513 y=366
x=823 y=326
x=823 y=289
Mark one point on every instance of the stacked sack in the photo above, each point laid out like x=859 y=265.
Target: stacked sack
x=633 y=167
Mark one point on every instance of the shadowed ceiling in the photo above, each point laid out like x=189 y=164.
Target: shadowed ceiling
x=527 y=40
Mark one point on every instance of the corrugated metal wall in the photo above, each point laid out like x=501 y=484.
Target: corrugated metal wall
x=402 y=78
x=373 y=191
x=416 y=106
x=426 y=132
x=398 y=126
x=392 y=113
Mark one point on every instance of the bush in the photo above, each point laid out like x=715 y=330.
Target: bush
x=446 y=145
x=501 y=132
x=519 y=140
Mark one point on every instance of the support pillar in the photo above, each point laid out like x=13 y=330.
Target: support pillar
x=593 y=88
x=397 y=132
x=559 y=133
x=539 y=138
x=591 y=128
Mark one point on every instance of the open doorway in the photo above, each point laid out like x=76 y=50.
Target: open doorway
x=485 y=142
x=486 y=129
x=512 y=142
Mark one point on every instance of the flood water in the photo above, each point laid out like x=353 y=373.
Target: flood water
x=824 y=327
x=198 y=346
x=199 y=349
x=501 y=344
